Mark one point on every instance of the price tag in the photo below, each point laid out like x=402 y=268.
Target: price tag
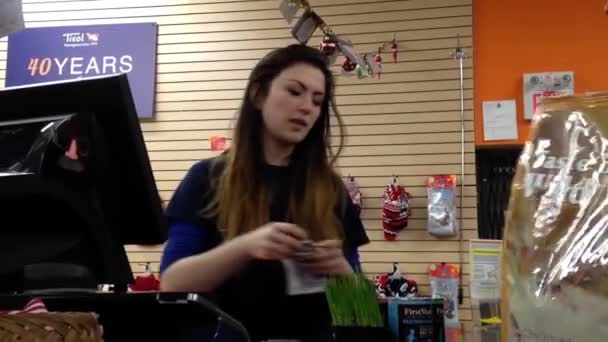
x=217 y=143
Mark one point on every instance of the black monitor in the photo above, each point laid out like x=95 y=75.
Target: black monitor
x=76 y=183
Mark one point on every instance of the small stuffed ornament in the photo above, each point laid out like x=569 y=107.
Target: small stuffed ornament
x=394 y=285
x=395 y=210
x=394 y=50
x=379 y=63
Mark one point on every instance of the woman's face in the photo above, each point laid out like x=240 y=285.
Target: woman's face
x=293 y=104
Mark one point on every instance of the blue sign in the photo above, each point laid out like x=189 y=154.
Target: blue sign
x=46 y=54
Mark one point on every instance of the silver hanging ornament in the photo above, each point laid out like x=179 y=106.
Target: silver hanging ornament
x=359 y=71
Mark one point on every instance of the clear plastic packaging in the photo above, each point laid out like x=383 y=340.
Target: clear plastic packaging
x=444 y=284
x=441 y=191
x=556 y=238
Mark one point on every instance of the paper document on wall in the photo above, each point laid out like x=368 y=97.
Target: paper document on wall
x=11 y=17
x=499 y=120
x=485 y=281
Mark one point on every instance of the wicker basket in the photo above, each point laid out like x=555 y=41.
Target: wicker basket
x=50 y=326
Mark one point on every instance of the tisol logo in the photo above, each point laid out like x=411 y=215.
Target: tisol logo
x=80 y=39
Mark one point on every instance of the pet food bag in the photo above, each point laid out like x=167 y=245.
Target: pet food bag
x=556 y=236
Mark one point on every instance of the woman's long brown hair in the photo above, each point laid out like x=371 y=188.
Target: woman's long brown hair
x=241 y=200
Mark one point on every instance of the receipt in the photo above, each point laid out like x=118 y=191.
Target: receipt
x=300 y=281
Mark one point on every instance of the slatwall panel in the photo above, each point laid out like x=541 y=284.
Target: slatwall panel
x=405 y=124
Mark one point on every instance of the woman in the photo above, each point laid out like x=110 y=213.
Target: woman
x=242 y=223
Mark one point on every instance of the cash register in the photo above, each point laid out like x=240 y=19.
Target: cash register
x=76 y=186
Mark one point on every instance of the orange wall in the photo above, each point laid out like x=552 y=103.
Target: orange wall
x=513 y=37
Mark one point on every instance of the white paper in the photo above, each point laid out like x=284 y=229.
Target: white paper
x=499 y=120
x=11 y=17
x=485 y=269
x=299 y=281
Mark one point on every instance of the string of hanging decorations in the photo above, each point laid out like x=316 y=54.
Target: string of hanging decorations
x=363 y=65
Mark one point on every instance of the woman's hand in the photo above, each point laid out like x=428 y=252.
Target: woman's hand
x=273 y=241
x=328 y=258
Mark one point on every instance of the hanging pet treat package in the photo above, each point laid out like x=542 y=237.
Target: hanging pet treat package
x=444 y=284
x=555 y=259
x=441 y=191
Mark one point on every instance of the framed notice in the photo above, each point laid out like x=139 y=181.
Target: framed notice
x=46 y=54
x=547 y=84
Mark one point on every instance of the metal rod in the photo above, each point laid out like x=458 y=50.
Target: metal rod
x=458 y=53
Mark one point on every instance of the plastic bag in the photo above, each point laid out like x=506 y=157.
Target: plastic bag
x=441 y=191
x=556 y=237
x=444 y=284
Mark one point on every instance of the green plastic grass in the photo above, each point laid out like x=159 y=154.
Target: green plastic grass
x=353 y=302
